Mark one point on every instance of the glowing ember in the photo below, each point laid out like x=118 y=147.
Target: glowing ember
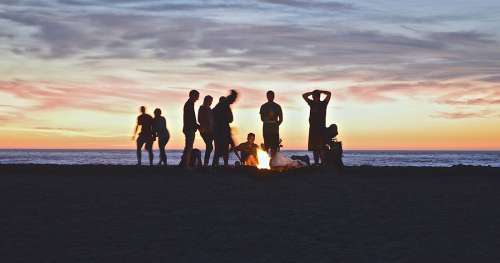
x=263 y=159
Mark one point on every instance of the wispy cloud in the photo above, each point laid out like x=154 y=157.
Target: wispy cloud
x=459 y=115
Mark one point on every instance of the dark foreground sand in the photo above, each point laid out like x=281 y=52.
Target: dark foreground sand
x=130 y=214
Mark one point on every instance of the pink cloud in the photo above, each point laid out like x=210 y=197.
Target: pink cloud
x=464 y=115
x=462 y=93
x=249 y=97
x=108 y=97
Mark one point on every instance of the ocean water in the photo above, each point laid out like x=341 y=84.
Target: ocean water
x=351 y=158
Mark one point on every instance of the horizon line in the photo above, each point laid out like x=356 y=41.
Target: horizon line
x=305 y=149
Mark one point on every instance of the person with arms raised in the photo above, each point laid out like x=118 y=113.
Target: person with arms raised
x=317 y=121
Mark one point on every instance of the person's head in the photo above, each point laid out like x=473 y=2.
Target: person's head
x=207 y=101
x=332 y=131
x=194 y=95
x=222 y=98
x=142 y=109
x=251 y=138
x=316 y=95
x=157 y=112
x=270 y=96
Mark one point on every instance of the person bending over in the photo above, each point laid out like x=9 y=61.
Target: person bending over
x=223 y=117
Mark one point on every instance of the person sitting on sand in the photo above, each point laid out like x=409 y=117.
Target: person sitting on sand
x=146 y=136
x=331 y=154
x=248 y=151
x=317 y=120
x=161 y=132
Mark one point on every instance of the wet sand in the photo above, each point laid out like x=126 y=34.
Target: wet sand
x=142 y=214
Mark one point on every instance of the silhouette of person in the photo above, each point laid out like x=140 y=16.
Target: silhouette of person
x=223 y=116
x=331 y=154
x=317 y=120
x=146 y=136
x=189 y=128
x=206 y=119
x=161 y=132
x=248 y=151
x=272 y=117
x=196 y=159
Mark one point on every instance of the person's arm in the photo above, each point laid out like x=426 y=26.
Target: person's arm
x=306 y=97
x=135 y=129
x=280 y=115
x=261 y=112
x=202 y=118
x=328 y=96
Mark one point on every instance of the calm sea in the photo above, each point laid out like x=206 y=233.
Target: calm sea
x=351 y=158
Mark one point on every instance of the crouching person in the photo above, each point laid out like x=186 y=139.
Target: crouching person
x=248 y=151
x=331 y=154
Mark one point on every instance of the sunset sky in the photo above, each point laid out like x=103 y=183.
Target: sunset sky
x=403 y=74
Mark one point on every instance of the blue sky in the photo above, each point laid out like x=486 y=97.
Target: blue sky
x=435 y=61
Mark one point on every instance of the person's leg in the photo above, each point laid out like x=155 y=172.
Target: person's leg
x=215 y=160
x=188 y=148
x=225 y=155
x=140 y=143
x=274 y=143
x=316 y=154
x=265 y=135
x=162 y=142
x=208 y=139
x=149 y=148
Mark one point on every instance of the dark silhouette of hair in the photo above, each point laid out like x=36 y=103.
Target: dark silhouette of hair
x=270 y=95
x=251 y=134
x=157 y=112
x=316 y=95
x=143 y=109
x=207 y=100
x=194 y=93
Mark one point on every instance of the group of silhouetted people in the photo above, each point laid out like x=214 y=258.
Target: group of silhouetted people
x=213 y=125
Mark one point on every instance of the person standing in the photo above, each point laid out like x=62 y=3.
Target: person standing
x=146 y=136
x=161 y=132
x=189 y=128
x=272 y=117
x=206 y=119
x=317 y=121
x=223 y=116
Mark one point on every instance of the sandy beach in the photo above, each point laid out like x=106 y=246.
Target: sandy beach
x=142 y=214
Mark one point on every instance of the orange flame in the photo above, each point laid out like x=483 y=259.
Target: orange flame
x=263 y=159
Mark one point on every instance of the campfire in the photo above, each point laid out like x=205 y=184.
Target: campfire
x=263 y=159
